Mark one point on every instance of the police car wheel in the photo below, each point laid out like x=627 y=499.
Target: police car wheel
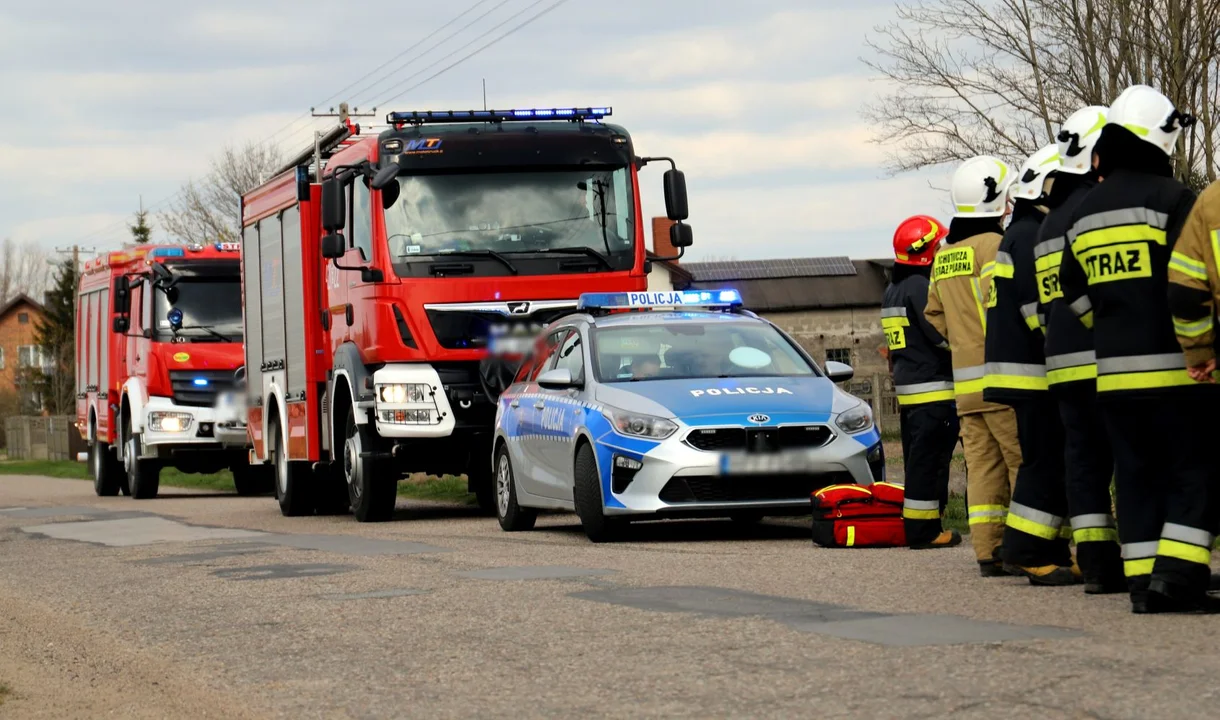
x=587 y=494
x=105 y=474
x=513 y=517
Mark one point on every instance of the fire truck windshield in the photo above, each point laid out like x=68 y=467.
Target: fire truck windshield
x=211 y=308
x=557 y=213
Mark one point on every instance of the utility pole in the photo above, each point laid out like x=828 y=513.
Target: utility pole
x=345 y=114
x=484 y=93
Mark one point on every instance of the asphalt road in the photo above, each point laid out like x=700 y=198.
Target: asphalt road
x=212 y=605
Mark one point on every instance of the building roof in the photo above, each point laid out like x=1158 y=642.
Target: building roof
x=19 y=299
x=797 y=284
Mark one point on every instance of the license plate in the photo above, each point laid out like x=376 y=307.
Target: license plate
x=511 y=346
x=765 y=464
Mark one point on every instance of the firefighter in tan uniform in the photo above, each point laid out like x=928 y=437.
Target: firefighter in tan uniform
x=1194 y=285
x=957 y=309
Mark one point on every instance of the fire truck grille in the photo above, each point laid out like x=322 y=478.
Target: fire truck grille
x=469 y=329
x=199 y=388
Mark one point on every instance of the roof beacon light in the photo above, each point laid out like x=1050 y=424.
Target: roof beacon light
x=167 y=252
x=684 y=298
x=419 y=117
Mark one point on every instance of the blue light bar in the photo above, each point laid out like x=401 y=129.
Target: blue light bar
x=684 y=298
x=167 y=252
x=201 y=382
x=457 y=116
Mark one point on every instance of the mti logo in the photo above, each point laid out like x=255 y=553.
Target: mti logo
x=424 y=145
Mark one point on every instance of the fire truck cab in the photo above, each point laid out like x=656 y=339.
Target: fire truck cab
x=159 y=352
x=391 y=282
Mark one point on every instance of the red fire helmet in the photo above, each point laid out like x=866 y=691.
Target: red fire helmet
x=916 y=239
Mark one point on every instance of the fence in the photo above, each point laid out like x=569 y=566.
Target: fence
x=42 y=438
x=878 y=391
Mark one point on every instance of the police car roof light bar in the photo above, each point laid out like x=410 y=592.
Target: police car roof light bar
x=724 y=298
x=419 y=117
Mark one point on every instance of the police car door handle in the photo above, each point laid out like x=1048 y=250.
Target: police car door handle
x=514 y=404
x=539 y=405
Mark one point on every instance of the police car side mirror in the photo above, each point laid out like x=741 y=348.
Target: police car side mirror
x=557 y=379
x=839 y=372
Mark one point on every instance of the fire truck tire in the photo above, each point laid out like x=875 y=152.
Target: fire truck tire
x=587 y=496
x=143 y=476
x=332 y=497
x=293 y=481
x=252 y=480
x=107 y=472
x=513 y=517
x=372 y=484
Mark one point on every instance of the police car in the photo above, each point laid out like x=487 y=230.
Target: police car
x=675 y=404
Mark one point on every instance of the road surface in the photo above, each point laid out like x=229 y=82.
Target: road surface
x=202 y=605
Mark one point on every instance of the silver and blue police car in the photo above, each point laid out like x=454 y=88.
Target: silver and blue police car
x=675 y=404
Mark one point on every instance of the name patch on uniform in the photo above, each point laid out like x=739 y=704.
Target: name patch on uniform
x=1117 y=262
x=895 y=332
x=741 y=391
x=1047 y=276
x=953 y=263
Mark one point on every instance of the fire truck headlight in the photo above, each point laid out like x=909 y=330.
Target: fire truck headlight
x=172 y=422
x=399 y=394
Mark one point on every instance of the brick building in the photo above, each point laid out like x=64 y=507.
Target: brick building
x=18 y=348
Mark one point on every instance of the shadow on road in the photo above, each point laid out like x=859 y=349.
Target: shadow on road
x=667 y=531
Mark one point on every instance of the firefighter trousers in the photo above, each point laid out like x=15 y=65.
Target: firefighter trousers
x=1089 y=471
x=993 y=456
x=1034 y=532
x=1164 y=487
x=929 y=434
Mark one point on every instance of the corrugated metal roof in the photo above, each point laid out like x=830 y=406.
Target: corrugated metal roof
x=864 y=288
x=770 y=269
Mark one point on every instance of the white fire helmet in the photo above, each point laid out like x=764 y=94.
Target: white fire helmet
x=980 y=188
x=1077 y=136
x=1033 y=173
x=1150 y=116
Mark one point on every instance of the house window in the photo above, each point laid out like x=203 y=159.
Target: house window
x=23 y=318
x=30 y=356
x=842 y=355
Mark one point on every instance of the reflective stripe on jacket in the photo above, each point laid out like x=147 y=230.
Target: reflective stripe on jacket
x=1015 y=366
x=923 y=371
x=1194 y=278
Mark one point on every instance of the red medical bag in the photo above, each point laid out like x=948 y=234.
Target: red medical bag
x=859 y=516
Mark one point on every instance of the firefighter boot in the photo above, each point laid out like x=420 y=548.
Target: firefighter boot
x=1163 y=597
x=947 y=539
x=1047 y=575
x=994 y=568
x=1213 y=585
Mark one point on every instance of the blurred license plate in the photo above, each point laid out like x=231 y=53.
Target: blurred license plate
x=512 y=345
x=765 y=464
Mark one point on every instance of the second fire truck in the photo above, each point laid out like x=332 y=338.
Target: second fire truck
x=385 y=278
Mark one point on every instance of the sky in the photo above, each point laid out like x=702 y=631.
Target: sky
x=758 y=102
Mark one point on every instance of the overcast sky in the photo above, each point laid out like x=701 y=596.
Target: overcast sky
x=757 y=101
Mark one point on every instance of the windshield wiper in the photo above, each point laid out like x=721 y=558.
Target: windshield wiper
x=482 y=253
x=206 y=328
x=586 y=251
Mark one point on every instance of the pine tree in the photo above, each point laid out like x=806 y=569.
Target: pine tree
x=141 y=232
x=55 y=332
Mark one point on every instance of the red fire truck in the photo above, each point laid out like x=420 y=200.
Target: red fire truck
x=159 y=352
x=386 y=278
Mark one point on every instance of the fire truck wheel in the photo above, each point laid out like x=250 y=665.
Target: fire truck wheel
x=292 y=481
x=372 y=484
x=587 y=494
x=106 y=471
x=143 y=476
x=253 y=479
x=513 y=517
x=332 y=497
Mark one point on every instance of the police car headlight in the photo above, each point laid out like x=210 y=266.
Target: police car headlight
x=637 y=425
x=858 y=419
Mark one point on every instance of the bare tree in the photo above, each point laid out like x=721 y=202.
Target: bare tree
x=997 y=77
x=207 y=208
x=24 y=268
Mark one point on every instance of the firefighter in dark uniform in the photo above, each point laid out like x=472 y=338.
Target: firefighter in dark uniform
x=1071 y=365
x=922 y=369
x=1115 y=278
x=1034 y=544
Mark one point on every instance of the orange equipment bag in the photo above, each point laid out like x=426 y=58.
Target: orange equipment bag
x=859 y=516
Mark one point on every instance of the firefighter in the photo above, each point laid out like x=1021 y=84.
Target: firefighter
x=961 y=276
x=1033 y=543
x=923 y=379
x=1072 y=367
x=1115 y=278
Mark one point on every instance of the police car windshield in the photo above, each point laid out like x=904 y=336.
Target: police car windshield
x=685 y=350
x=513 y=212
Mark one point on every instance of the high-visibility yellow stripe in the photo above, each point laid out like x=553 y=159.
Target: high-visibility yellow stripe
x=913 y=514
x=1188 y=266
x=1084 y=535
x=1015 y=382
x=1029 y=527
x=1143 y=380
x=988 y=269
x=893 y=322
x=978 y=302
x=928 y=397
x=1065 y=532
x=1184 y=551
x=1032 y=322
x=1072 y=374
x=986 y=514
x=970 y=386
x=1141 y=232
x=1087 y=319
x=1132 y=568
x=851 y=535
x=1195 y=328
x=1003 y=270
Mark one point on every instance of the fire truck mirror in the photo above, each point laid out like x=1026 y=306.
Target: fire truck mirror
x=334 y=246
x=385 y=176
x=120 y=325
x=675 y=195
x=681 y=236
x=122 y=295
x=333 y=211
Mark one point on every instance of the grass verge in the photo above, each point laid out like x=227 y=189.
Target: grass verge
x=5 y=691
